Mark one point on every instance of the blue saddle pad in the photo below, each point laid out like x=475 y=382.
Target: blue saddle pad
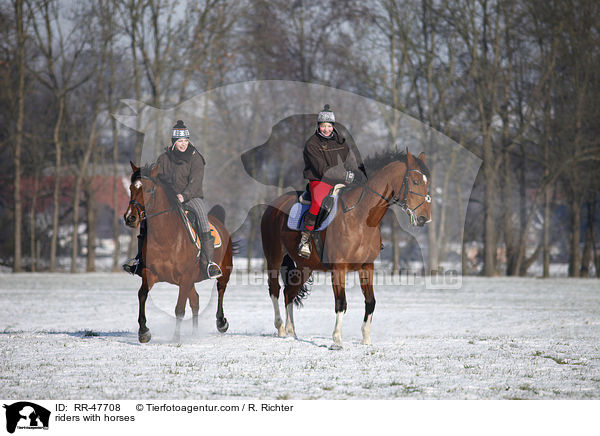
x=298 y=210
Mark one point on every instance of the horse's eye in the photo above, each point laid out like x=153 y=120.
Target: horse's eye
x=416 y=182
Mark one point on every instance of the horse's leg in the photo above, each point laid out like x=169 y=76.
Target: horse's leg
x=148 y=280
x=182 y=297
x=295 y=278
x=366 y=283
x=222 y=324
x=195 y=306
x=273 y=251
x=338 y=280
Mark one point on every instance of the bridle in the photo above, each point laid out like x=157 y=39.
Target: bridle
x=405 y=187
x=141 y=210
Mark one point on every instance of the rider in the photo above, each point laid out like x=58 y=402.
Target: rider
x=182 y=167
x=328 y=160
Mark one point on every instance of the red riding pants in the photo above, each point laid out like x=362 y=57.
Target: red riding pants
x=318 y=191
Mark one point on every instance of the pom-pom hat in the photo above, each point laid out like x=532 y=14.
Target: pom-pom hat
x=179 y=131
x=326 y=115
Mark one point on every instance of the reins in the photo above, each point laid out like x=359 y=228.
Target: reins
x=394 y=199
x=141 y=209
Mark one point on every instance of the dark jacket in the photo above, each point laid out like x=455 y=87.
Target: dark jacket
x=327 y=159
x=183 y=171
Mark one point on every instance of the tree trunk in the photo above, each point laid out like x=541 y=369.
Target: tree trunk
x=32 y=232
x=547 y=222
x=587 y=257
x=19 y=135
x=91 y=225
x=507 y=218
x=575 y=235
x=57 y=170
x=115 y=161
x=395 y=249
x=489 y=230
x=79 y=187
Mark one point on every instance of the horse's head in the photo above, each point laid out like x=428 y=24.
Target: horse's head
x=136 y=209
x=415 y=189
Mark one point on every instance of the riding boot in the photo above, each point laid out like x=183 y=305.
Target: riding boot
x=135 y=265
x=309 y=225
x=213 y=271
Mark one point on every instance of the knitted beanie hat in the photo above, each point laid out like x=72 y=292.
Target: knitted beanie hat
x=179 y=131
x=326 y=116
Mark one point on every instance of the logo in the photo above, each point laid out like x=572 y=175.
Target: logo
x=25 y=415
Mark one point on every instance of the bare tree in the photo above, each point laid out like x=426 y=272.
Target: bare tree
x=58 y=75
x=18 y=141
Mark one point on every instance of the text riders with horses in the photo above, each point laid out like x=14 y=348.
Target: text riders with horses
x=328 y=161
x=182 y=167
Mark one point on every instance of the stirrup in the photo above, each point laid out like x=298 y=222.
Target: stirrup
x=131 y=266
x=304 y=247
x=213 y=271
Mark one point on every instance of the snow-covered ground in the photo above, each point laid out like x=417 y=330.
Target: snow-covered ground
x=66 y=336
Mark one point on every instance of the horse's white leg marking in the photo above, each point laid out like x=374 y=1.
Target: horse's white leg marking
x=337 y=331
x=366 y=330
x=289 y=322
x=278 y=321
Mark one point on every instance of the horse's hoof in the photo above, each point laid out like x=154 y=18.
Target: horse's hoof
x=281 y=331
x=144 y=337
x=290 y=330
x=335 y=347
x=222 y=325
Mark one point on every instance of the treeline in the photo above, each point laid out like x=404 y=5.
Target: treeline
x=516 y=82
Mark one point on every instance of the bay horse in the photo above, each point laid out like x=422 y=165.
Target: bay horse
x=168 y=253
x=352 y=241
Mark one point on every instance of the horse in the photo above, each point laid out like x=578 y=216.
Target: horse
x=353 y=240
x=168 y=253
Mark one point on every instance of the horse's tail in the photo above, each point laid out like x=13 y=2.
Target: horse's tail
x=236 y=246
x=218 y=212
x=289 y=274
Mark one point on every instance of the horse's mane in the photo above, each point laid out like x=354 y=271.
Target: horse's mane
x=381 y=159
x=404 y=158
x=146 y=171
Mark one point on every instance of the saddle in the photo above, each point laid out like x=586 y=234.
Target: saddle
x=326 y=214
x=192 y=225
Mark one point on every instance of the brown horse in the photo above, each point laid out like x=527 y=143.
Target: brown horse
x=352 y=240
x=168 y=253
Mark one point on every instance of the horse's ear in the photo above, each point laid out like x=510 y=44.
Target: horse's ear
x=421 y=157
x=133 y=167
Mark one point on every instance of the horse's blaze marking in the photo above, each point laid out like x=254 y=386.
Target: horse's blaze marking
x=137 y=184
x=424 y=178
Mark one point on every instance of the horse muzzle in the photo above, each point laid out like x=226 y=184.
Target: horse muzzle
x=130 y=220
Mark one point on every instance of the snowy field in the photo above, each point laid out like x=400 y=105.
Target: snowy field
x=66 y=336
